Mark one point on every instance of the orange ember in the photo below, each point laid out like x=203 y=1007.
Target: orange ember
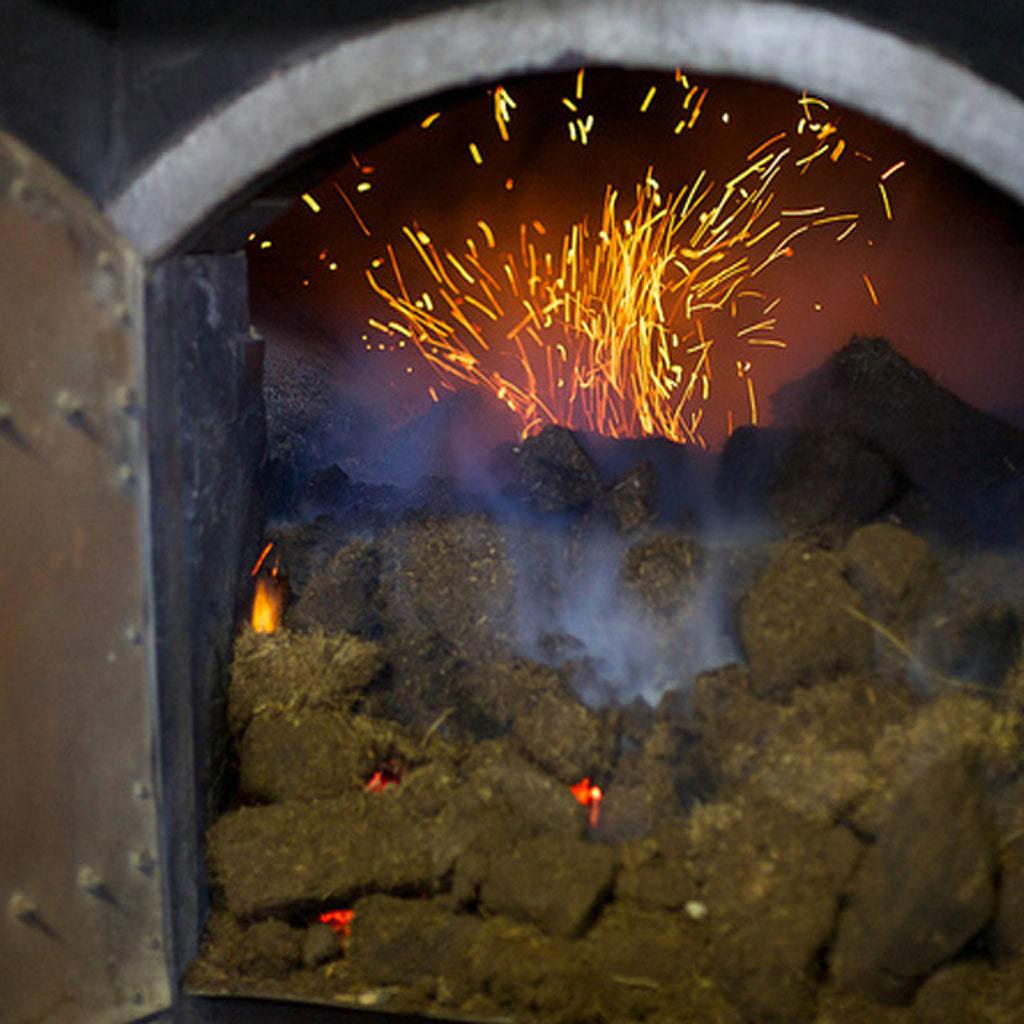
x=269 y=600
x=588 y=796
x=339 y=920
x=387 y=776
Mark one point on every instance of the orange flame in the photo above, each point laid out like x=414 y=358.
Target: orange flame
x=269 y=599
x=588 y=796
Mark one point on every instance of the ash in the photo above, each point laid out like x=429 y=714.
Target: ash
x=794 y=671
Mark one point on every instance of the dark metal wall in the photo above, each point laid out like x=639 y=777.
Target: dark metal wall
x=98 y=87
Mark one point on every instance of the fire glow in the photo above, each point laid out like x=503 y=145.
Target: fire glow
x=622 y=324
x=269 y=598
x=339 y=920
x=588 y=796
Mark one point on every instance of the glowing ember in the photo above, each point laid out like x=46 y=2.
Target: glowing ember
x=339 y=920
x=387 y=776
x=270 y=596
x=588 y=796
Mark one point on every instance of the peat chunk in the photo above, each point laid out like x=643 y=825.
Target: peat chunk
x=286 y=671
x=960 y=459
x=557 y=473
x=518 y=966
x=972 y=631
x=801 y=622
x=269 y=949
x=340 y=598
x=271 y=860
x=399 y=942
x=562 y=735
x=633 y=499
x=830 y=483
x=308 y=756
x=923 y=891
x=451 y=576
x=555 y=882
x=656 y=873
x=320 y=945
x=317 y=753
x=662 y=573
x=772 y=882
x=894 y=570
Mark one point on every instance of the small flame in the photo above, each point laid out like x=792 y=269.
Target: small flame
x=339 y=920
x=269 y=599
x=388 y=775
x=588 y=796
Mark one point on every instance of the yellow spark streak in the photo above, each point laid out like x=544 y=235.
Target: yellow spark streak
x=770 y=322
x=363 y=186
x=490 y=313
x=428 y=121
x=487 y=233
x=751 y=242
x=503 y=105
x=886 y=205
x=427 y=262
x=871 y=289
x=808 y=212
x=474 y=152
x=697 y=109
x=352 y=209
x=848 y=231
x=806 y=161
x=569 y=103
x=579 y=84
x=768 y=143
x=898 y=166
x=838 y=151
x=753 y=400
x=310 y=202
x=834 y=219
x=466 y=276
x=648 y=98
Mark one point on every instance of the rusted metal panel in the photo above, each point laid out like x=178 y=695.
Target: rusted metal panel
x=81 y=924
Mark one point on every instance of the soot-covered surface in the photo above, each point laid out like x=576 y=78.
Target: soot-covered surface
x=803 y=711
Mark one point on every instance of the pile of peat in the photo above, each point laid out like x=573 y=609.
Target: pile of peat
x=826 y=826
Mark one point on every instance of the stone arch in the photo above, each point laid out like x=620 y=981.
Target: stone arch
x=908 y=86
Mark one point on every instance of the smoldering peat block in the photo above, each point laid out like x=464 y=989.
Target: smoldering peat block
x=318 y=753
x=555 y=882
x=398 y=941
x=924 y=889
x=340 y=597
x=269 y=859
x=285 y=671
x=557 y=731
x=556 y=472
x=449 y=575
x=801 y=622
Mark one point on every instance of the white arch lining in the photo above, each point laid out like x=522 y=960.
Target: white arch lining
x=977 y=124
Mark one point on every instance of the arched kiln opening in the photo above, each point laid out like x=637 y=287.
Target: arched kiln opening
x=944 y=266
x=491 y=568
